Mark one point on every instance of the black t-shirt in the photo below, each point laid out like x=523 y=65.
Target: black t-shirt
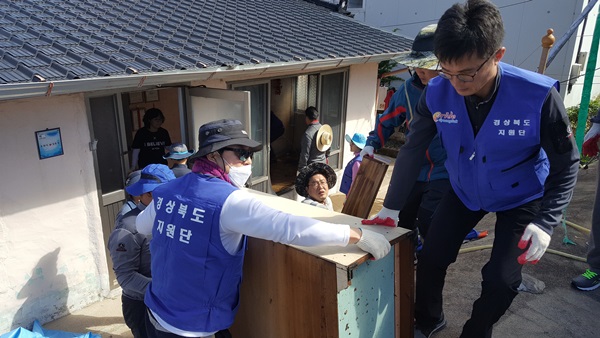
x=152 y=146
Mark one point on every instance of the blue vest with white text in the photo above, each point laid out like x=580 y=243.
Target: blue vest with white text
x=347 y=177
x=195 y=281
x=504 y=166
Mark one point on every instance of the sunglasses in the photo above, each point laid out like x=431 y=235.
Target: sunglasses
x=242 y=154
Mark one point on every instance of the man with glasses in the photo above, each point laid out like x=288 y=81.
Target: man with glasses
x=199 y=224
x=313 y=182
x=510 y=151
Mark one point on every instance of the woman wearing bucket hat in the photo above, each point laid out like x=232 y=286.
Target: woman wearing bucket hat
x=199 y=224
x=313 y=183
x=357 y=142
x=177 y=158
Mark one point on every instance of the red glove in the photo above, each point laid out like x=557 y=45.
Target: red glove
x=590 y=141
x=385 y=216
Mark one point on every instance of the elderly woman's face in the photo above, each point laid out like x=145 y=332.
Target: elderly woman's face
x=318 y=189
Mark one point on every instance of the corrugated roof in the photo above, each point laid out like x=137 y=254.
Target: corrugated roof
x=57 y=40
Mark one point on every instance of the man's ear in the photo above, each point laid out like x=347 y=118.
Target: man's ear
x=499 y=54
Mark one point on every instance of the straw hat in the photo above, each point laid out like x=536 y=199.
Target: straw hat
x=324 y=137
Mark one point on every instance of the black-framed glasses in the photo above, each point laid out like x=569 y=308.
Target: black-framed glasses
x=465 y=77
x=242 y=154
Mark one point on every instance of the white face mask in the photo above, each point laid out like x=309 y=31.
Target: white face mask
x=239 y=175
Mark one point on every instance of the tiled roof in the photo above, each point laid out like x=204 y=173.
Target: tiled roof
x=43 y=40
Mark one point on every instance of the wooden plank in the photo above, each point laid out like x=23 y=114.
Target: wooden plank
x=365 y=187
x=404 y=282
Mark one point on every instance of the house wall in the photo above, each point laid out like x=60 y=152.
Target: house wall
x=525 y=24
x=52 y=259
x=360 y=111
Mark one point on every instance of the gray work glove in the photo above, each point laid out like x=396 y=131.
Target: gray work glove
x=374 y=243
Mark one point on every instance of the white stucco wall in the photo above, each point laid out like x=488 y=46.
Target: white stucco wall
x=52 y=258
x=360 y=112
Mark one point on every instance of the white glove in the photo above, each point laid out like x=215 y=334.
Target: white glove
x=374 y=243
x=539 y=241
x=385 y=216
x=367 y=151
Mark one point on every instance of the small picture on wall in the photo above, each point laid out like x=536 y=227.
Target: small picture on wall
x=49 y=143
x=136 y=97
x=152 y=95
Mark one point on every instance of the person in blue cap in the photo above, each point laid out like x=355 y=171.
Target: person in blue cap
x=177 y=158
x=199 y=224
x=357 y=142
x=130 y=251
x=131 y=201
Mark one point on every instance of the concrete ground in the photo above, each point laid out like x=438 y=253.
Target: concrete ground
x=560 y=311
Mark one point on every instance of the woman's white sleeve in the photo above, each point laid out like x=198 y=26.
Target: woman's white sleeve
x=244 y=214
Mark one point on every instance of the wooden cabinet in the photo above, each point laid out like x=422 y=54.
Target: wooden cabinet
x=291 y=291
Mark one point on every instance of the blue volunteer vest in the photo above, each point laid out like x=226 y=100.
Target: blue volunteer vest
x=195 y=281
x=504 y=166
x=347 y=177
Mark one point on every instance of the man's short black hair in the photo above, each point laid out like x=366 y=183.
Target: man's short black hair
x=312 y=113
x=474 y=27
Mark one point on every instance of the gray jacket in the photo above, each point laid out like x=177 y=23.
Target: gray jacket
x=130 y=254
x=308 y=147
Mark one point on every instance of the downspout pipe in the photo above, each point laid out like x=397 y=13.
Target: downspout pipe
x=563 y=39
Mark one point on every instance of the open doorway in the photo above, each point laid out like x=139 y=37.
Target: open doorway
x=289 y=99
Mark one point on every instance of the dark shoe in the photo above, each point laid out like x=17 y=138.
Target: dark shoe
x=426 y=332
x=587 y=281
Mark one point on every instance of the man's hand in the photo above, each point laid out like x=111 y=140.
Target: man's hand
x=374 y=243
x=590 y=141
x=538 y=241
x=367 y=151
x=385 y=216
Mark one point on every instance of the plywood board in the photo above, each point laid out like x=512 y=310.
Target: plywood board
x=365 y=187
x=348 y=256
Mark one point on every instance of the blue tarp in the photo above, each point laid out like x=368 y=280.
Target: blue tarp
x=39 y=332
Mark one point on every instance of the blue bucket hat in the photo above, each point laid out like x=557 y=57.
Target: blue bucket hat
x=359 y=139
x=151 y=177
x=178 y=151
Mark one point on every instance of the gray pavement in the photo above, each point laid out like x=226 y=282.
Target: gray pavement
x=560 y=311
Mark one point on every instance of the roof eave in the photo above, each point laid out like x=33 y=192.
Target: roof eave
x=37 y=89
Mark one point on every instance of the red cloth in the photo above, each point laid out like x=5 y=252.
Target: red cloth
x=379 y=221
x=388 y=97
x=590 y=147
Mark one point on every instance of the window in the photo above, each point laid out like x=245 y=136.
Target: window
x=355 y=4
